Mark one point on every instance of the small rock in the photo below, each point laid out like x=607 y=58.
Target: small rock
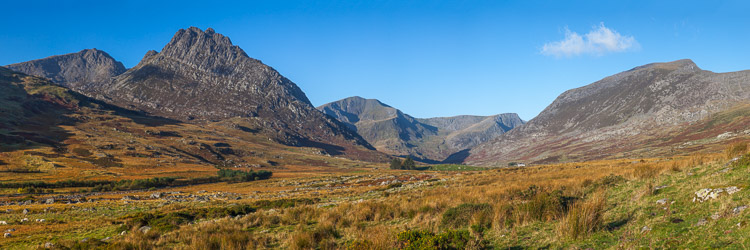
x=732 y=189
x=2 y=222
x=24 y=219
x=715 y=216
x=107 y=239
x=701 y=222
x=662 y=201
x=85 y=240
x=123 y=232
x=736 y=210
x=144 y=229
x=7 y=235
x=10 y=230
x=645 y=229
x=25 y=211
x=50 y=201
x=49 y=245
x=660 y=187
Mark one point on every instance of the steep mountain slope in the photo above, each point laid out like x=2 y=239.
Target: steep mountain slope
x=199 y=76
x=89 y=66
x=633 y=113
x=48 y=133
x=431 y=140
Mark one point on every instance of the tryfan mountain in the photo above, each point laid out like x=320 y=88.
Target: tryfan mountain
x=200 y=77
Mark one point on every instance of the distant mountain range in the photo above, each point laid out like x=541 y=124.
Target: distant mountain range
x=429 y=140
x=655 y=109
x=201 y=78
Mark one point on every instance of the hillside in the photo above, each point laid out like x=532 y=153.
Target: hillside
x=48 y=133
x=74 y=70
x=639 y=112
x=201 y=77
x=430 y=140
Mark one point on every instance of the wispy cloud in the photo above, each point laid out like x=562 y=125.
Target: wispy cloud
x=599 y=41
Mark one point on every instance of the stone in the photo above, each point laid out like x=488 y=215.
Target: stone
x=645 y=229
x=701 y=222
x=50 y=201
x=738 y=210
x=7 y=235
x=662 y=201
x=144 y=229
x=49 y=245
x=715 y=216
x=25 y=211
x=732 y=190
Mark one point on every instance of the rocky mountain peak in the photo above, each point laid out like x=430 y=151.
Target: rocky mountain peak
x=683 y=65
x=200 y=76
x=206 y=50
x=88 y=66
x=428 y=140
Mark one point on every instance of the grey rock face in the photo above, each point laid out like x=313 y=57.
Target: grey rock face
x=89 y=66
x=201 y=76
x=431 y=139
x=618 y=114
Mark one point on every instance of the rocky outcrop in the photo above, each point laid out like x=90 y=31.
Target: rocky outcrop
x=429 y=140
x=636 y=112
x=89 y=66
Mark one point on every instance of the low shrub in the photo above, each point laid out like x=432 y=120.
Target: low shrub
x=450 y=239
x=644 y=171
x=462 y=215
x=736 y=149
x=583 y=218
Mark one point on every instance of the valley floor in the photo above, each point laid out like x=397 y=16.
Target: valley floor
x=696 y=201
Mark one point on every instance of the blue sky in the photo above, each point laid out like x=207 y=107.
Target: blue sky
x=427 y=58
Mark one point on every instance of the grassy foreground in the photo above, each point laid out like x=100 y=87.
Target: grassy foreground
x=692 y=202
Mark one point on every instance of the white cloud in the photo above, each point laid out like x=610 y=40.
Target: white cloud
x=599 y=41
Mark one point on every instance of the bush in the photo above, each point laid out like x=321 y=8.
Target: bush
x=409 y=164
x=242 y=176
x=644 y=171
x=583 y=218
x=544 y=206
x=170 y=221
x=451 y=239
x=736 y=149
x=321 y=237
x=396 y=163
x=461 y=215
